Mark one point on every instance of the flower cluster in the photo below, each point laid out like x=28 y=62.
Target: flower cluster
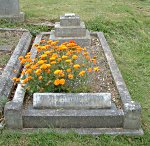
x=56 y=68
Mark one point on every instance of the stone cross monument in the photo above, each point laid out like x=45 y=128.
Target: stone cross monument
x=9 y=9
x=70 y=28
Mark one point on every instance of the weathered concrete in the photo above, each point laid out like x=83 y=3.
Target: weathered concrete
x=10 y=9
x=72 y=100
x=101 y=118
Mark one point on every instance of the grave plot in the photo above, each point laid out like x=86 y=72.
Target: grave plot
x=103 y=106
x=13 y=43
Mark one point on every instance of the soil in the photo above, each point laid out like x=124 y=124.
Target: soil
x=100 y=82
x=10 y=39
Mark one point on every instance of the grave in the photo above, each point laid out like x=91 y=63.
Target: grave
x=71 y=28
x=9 y=9
x=85 y=113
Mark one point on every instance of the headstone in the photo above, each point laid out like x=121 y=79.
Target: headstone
x=71 y=28
x=10 y=9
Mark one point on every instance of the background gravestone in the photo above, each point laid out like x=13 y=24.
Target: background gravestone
x=10 y=9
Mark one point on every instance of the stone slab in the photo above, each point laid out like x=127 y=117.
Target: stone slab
x=70 y=20
x=70 y=31
x=82 y=41
x=72 y=100
x=50 y=118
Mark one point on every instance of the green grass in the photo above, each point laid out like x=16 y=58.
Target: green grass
x=126 y=25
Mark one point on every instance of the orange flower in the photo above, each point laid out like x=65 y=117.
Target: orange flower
x=29 y=78
x=56 y=82
x=96 y=69
x=42 y=41
x=64 y=57
x=48 y=71
x=43 y=66
x=27 y=65
x=43 y=56
x=94 y=57
x=33 y=67
x=38 y=71
x=35 y=45
x=85 y=53
x=74 y=57
x=68 y=61
x=68 y=70
x=59 y=59
x=25 y=81
x=82 y=73
x=76 y=66
x=62 y=81
x=87 y=57
x=52 y=58
x=16 y=79
x=40 y=78
x=70 y=76
x=56 y=72
x=23 y=72
x=40 y=62
x=47 y=52
x=53 y=62
x=20 y=58
x=55 y=55
x=89 y=69
x=23 y=61
x=28 y=71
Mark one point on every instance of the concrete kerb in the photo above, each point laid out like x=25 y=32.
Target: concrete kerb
x=131 y=110
x=13 y=109
x=6 y=83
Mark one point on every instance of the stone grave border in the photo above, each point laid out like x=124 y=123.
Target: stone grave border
x=6 y=84
x=130 y=112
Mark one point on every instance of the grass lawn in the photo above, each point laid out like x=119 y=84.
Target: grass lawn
x=126 y=24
